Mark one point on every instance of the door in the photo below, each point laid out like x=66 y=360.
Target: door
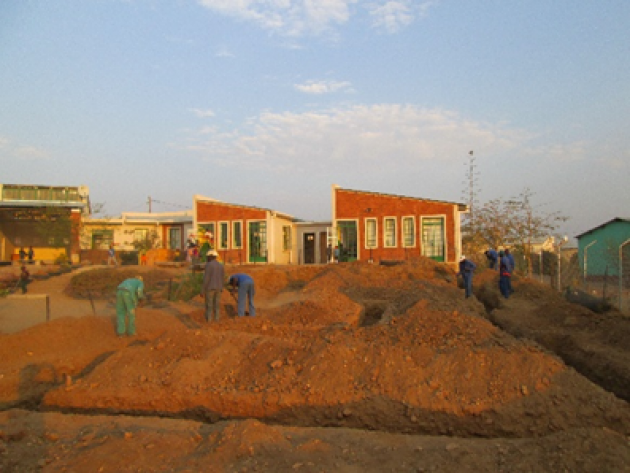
x=309 y=248
x=175 y=238
x=347 y=240
x=257 y=241
x=433 y=238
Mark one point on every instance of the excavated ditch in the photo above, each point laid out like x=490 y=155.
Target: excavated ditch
x=395 y=349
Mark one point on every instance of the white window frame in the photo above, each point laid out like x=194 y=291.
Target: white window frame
x=234 y=225
x=220 y=227
x=413 y=231
x=373 y=220
x=395 y=230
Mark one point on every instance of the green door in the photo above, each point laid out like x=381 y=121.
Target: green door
x=257 y=241
x=347 y=237
x=433 y=238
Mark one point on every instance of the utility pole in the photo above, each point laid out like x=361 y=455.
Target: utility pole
x=149 y=202
x=471 y=196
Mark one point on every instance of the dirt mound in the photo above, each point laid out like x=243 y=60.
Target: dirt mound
x=393 y=349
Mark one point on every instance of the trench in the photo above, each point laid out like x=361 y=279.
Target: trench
x=380 y=414
x=610 y=374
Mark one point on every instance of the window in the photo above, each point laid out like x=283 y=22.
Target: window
x=433 y=238
x=286 y=238
x=207 y=234
x=237 y=235
x=347 y=240
x=140 y=234
x=257 y=238
x=409 y=234
x=370 y=233
x=390 y=232
x=174 y=238
x=223 y=235
x=101 y=239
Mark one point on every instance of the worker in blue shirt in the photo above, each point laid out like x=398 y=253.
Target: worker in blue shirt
x=491 y=254
x=511 y=266
x=466 y=269
x=246 y=289
x=504 y=275
x=128 y=294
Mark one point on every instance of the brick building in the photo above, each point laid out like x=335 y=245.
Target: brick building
x=244 y=234
x=371 y=225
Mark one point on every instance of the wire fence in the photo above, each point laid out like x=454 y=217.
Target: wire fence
x=566 y=274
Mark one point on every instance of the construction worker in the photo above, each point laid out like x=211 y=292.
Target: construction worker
x=511 y=265
x=466 y=270
x=245 y=285
x=491 y=254
x=128 y=294
x=504 y=275
x=212 y=286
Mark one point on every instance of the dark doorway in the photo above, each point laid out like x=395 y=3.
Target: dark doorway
x=309 y=248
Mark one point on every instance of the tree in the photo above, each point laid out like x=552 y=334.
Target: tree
x=515 y=222
x=531 y=223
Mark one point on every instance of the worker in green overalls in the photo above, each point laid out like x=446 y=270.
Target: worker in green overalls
x=129 y=292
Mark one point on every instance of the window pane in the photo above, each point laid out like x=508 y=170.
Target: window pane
x=236 y=235
x=390 y=232
x=370 y=233
x=286 y=238
x=408 y=232
x=223 y=227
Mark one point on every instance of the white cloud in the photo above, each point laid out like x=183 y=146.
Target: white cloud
x=202 y=113
x=361 y=138
x=31 y=152
x=394 y=15
x=324 y=87
x=224 y=52
x=299 y=17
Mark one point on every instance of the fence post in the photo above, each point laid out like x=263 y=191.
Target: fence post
x=621 y=273
x=564 y=240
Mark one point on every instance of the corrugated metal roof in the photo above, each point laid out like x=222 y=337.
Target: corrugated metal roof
x=616 y=219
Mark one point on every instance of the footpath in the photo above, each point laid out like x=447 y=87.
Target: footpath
x=18 y=312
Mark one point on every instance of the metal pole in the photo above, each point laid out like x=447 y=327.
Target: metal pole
x=621 y=273
x=564 y=240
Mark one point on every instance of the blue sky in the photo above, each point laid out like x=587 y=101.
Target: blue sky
x=270 y=102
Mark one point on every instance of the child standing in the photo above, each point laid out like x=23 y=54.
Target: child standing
x=24 y=279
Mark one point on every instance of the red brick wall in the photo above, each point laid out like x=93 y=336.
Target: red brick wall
x=220 y=212
x=353 y=205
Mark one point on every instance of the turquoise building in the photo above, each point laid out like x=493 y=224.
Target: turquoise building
x=599 y=247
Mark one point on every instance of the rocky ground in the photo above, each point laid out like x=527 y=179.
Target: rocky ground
x=351 y=367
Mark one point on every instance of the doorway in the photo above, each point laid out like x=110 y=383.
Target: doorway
x=309 y=248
